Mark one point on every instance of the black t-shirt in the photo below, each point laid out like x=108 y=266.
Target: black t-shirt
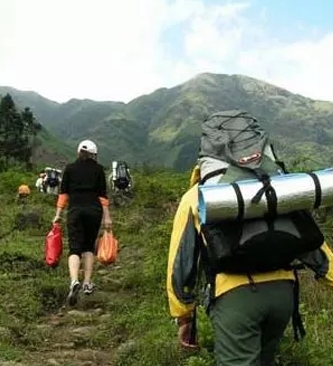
x=84 y=181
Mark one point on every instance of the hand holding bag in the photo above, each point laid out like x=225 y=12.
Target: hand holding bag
x=107 y=250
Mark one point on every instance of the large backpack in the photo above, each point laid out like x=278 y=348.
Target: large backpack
x=52 y=178
x=249 y=246
x=122 y=179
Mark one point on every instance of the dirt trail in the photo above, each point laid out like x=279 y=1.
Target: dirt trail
x=83 y=335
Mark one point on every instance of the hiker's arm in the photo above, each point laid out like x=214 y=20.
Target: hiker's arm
x=182 y=264
x=103 y=198
x=102 y=191
x=63 y=194
x=320 y=261
x=328 y=277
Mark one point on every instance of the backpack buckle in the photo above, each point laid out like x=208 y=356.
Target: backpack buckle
x=249 y=159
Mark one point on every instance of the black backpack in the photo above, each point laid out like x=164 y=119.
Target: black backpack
x=122 y=178
x=52 y=178
x=249 y=246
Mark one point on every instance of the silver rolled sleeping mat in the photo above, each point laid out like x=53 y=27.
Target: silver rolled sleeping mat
x=294 y=191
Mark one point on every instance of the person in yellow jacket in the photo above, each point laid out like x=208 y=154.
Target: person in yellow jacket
x=248 y=317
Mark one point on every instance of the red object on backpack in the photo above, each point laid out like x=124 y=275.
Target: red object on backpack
x=53 y=246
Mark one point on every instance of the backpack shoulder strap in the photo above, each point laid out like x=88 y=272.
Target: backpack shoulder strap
x=206 y=268
x=212 y=174
x=279 y=162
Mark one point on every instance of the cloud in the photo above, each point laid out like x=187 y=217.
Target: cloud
x=119 y=50
x=226 y=39
x=82 y=48
x=214 y=33
x=303 y=67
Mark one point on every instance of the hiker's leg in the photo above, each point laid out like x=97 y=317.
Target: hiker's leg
x=281 y=293
x=74 y=266
x=75 y=241
x=92 y=223
x=236 y=318
x=88 y=264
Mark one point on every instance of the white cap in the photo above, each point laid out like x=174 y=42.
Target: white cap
x=88 y=146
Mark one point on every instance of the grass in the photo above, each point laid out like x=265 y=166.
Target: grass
x=126 y=322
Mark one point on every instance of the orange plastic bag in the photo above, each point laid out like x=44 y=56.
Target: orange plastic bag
x=53 y=246
x=107 y=250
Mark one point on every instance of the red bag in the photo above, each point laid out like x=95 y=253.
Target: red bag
x=107 y=250
x=53 y=246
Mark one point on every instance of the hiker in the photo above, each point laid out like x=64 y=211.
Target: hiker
x=23 y=192
x=83 y=187
x=40 y=183
x=120 y=177
x=52 y=180
x=252 y=288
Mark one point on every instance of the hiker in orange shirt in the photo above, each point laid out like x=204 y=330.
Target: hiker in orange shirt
x=83 y=189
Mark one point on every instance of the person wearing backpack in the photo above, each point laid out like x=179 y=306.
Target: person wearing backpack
x=252 y=283
x=83 y=188
x=52 y=180
x=121 y=177
x=40 y=186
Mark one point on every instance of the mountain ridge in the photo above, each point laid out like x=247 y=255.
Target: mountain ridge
x=199 y=76
x=163 y=127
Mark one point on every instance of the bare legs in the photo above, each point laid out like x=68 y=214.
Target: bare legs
x=88 y=264
x=74 y=266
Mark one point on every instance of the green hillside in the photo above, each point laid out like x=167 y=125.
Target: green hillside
x=51 y=150
x=163 y=127
x=47 y=148
x=126 y=322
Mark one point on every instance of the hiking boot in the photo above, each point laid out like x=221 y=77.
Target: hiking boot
x=73 y=293
x=88 y=288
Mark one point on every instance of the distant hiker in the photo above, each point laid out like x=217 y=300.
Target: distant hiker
x=83 y=187
x=40 y=186
x=52 y=180
x=23 y=192
x=120 y=177
x=252 y=284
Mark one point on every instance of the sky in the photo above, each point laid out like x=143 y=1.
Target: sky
x=120 y=49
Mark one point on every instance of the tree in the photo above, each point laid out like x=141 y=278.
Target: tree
x=18 y=130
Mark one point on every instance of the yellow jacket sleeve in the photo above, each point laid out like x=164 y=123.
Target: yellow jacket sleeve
x=182 y=262
x=328 y=277
x=320 y=261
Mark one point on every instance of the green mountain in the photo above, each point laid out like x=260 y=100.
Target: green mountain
x=51 y=150
x=48 y=148
x=163 y=127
